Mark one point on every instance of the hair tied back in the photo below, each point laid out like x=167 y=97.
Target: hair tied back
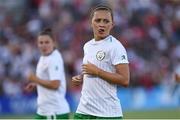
x=47 y=30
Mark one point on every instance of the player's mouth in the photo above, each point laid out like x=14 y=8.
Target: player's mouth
x=101 y=31
x=44 y=50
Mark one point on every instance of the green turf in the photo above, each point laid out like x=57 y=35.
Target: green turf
x=153 y=114
x=143 y=114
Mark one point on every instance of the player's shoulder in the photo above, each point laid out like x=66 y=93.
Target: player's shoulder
x=114 y=42
x=56 y=55
x=88 y=43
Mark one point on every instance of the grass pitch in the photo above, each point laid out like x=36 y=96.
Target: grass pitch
x=140 y=114
x=153 y=114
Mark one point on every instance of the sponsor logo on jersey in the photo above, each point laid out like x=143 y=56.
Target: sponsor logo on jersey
x=100 y=55
x=123 y=57
x=56 y=68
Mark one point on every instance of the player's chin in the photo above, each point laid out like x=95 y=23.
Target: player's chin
x=45 y=53
x=102 y=36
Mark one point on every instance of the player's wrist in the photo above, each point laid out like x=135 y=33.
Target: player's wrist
x=37 y=80
x=98 y=72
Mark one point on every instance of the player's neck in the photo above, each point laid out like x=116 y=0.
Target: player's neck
x=100 y=38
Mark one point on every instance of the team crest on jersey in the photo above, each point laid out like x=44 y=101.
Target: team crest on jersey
x=100 y=55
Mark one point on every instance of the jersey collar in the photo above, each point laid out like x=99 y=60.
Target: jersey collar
x=94 y=42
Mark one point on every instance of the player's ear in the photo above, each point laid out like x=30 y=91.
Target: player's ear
x=112 y=25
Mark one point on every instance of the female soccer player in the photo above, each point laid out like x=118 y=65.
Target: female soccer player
x=50 y=80
x=105 y=65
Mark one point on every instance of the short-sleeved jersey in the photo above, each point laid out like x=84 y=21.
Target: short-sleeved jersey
x=99 y=97
x=51 y=102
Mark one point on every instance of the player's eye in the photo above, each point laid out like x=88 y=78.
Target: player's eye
x=41 y=42
x=47 y=42
x=106 y=21
x=97 y=20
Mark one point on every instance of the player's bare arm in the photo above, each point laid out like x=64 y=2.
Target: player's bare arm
x=121 y=77
x=177 y=78
x=77 y=80
x=53 y=84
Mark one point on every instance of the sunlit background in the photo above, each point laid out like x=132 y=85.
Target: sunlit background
x=149 y=30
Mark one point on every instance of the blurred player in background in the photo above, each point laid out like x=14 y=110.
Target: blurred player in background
x=176 y=90
x=105 y=65
x=177 y=74
x=50 y=80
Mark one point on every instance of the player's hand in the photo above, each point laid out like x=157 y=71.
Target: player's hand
x=90 y=69
x=77 y=80
x=32 y=77
x=30 y=87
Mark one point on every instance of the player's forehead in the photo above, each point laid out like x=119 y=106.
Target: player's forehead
x=44 y=38
x=102 y=14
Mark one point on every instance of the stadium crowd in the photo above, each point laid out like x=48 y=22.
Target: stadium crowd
x=149 y=30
